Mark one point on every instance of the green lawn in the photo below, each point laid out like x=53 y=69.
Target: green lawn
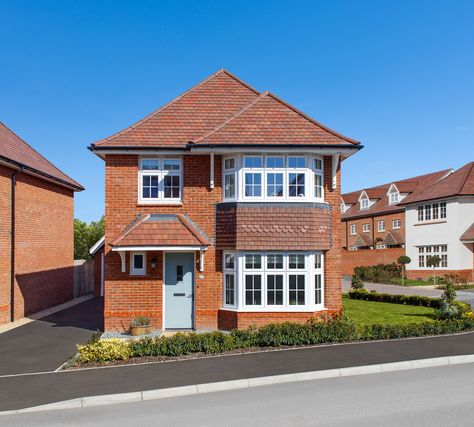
x=367 y=312
x=410 y=282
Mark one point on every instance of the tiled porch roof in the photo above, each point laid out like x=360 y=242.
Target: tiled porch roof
x=362 y=241
x=161 y=230
x=393 y=238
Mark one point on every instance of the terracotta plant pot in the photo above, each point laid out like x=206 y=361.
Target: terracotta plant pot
x=138 y=330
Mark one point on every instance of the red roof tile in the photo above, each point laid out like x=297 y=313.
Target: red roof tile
x=224 y=110
x=161 y=230
x=458 y=183
x=14 y=149
x=379 y=193
x=468 y=235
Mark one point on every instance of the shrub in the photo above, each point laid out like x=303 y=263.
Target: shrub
x=141 y=321
x=395 y=299
x=357 y=282
x=381 y=273
x=448 y=311
x=104 y=350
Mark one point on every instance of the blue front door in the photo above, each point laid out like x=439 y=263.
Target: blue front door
x=179 y=290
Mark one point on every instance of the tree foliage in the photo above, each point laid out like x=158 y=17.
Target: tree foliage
x=85 y=236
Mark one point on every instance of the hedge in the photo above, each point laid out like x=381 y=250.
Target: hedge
x=363 y=294
x=274 y=335
x=380 y=273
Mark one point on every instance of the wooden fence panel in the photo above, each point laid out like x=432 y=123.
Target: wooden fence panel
x=83 y=277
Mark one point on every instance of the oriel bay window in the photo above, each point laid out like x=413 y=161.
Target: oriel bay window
x=273 y=177
x=160 y=180
x=273 y=281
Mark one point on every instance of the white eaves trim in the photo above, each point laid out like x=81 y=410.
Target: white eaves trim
x=97 y=246
x=159 y=248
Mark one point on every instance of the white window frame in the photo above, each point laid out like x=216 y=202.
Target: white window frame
x=381 y=226
x=161 y=173
x=310 y=172
x=309 y=272
x=432 y=212
x=137 y=271
x=229 y=172
x=396 y=224
x=353 y=229
x=366 y=228
x=229 y=271
x=426 y=251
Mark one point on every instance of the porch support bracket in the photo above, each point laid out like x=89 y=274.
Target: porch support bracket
x=122 y=257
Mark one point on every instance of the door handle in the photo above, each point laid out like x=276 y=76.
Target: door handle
x=179 y=294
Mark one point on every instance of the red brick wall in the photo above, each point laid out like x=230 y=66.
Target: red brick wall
x=423 y=274
x=44 y=240
x=349 y=239
x=128 y=296
x=352 y=259
x=5 y=206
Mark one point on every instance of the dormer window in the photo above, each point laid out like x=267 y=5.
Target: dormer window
x=393 y=195
x=364 y=204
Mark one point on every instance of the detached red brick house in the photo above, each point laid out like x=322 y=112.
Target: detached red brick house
x=36 y=230
x=222 y=211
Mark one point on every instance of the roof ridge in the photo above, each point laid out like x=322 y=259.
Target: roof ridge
x=173 y=101
x=237 y=114
x=192 y=228
x=42 y=157
x=466 y=176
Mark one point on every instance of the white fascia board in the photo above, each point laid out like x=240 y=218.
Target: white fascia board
x=344 y=152
x=363 y=195
x=159 y=248
x=97 y=245
x=392 y=186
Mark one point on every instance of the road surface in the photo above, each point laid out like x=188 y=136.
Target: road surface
x=421 y=397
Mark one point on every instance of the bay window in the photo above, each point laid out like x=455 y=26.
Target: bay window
x=160 y=180
x=273 y=178
x=273 y=281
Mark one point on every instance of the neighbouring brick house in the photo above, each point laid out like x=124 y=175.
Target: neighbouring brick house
x=36 y=230
x=426 y=215
x=222 y=211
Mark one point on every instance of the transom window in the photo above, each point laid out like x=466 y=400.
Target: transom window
x=273 y=178
x=277 y=281
x=160 y=180
x=425 y=252
x=432 y=212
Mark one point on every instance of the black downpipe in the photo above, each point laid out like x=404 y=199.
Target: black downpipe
x=12 y=248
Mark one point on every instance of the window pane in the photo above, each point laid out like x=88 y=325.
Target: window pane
x=171 y=187
x=275 y=262
x=171 y=165
x=274 y=184
x=317 y=261
x=318 y=164
x=275 y=162
x=229 y=261
x=253 y=184
x=296 y=184
x=150 y=187
x=253 y=162
x=296 y=261
x=318 y=186
x=230 y=289
x=296 y=162
x=229 y=164
x=137 y=262
x=296 y=289
x=253 y=289
x=149 y=165
x=275 y=289
x=317 y=289
x=253 y=261
x=229 y=186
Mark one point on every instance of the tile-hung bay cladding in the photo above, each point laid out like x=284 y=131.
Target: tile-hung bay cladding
x=222 y=211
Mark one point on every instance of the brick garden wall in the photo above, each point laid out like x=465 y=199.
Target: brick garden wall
x=352 y=259
x=44 y=252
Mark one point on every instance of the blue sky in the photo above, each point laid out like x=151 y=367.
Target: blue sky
x=397 y=76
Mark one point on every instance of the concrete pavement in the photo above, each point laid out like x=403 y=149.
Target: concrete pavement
x=45 y=344
x=423 y=397
x=17 y=392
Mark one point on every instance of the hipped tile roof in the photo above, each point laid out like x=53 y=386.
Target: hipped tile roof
x=458 y=183
x=379 y=194
x=468 y=235
x=224 y=110
x=161 y=230
x=16 y=150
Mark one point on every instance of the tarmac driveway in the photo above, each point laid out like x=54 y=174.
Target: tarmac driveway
x=45 y=344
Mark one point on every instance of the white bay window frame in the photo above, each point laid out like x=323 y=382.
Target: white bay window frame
x=160 y=173
x=269 y=273
x=274 y=174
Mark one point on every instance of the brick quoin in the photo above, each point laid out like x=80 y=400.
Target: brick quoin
x=44 y=239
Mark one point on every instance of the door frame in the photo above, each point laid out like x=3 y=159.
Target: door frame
x=163 y=295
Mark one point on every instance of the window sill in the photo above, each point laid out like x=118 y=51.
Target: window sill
x=300 y=309
x=142 y=204
x=430 y=222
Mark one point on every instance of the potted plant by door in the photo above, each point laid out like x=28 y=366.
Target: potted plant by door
x=139 y=326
